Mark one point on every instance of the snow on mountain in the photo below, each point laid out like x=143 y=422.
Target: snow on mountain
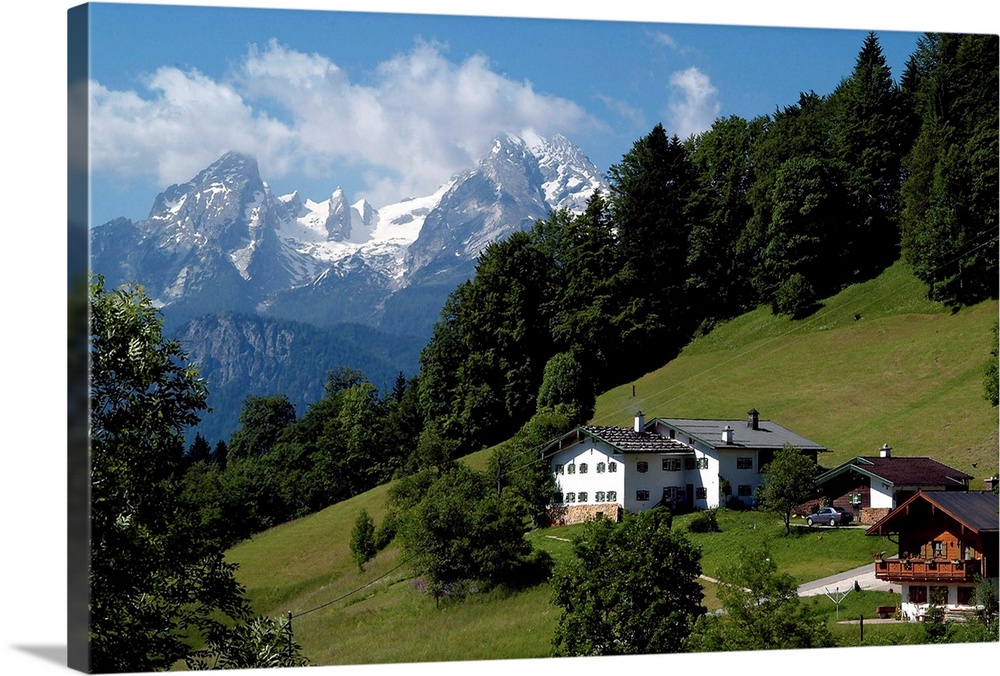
x=223 y=241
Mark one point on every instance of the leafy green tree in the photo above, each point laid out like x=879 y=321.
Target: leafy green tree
x=795 y=297
x=261 y=643
x=262 y=421
x=762 y=610
x=363 y=539
x=481 y=370
x=799 y=202
x=720 y=209
x=632 y=588
x=460 y=531
x=157 y=582
x=567 y=388
x=524 y=481
x=789 y=480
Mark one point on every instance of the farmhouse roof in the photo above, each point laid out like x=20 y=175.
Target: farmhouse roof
x=622 y=439
x=767 y=434
x=975 y=511
x=900 y=471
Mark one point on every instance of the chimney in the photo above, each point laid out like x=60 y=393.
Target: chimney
x=885 y=451
x=727 y=435
x=753 y=419
x=640 y=422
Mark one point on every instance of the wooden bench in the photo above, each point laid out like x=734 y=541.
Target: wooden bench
x=885 y=612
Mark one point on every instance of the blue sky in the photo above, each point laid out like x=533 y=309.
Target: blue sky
x=390 y=105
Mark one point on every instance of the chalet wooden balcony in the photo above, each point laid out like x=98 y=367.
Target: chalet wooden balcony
x=938 y=570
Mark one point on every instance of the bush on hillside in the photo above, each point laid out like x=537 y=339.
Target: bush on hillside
x=705 y=522
x=795 y=297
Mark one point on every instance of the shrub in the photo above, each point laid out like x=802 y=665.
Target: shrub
x=705 y=522
x=795 y=297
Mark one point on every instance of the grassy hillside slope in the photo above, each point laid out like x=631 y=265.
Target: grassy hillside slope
x=907 y=372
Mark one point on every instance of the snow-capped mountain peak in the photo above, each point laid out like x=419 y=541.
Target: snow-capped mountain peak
x=224 y=239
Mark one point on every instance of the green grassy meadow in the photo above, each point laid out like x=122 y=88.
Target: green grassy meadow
x=878 y=363
x=908 y=372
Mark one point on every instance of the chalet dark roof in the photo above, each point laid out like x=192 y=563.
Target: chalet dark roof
x=622 y=439
x=900 y=471
x=768 y=435
x=976 y=511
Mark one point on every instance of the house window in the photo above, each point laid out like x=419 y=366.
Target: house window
x=600 y=468
x=642 y=496
x=939 y=549
x=581 y=496
x=558 y=497
x=702 y=463
x=939 y=595
x=673 y=433
x=612 y=496
x=612 y=466
x=671 y=465
x=558 y=469
x=744 y=463
x=918 y=594
x=689 y=463
x=970 y=551
x=583 y=468
x=599 y=496
x=571 y=469
x=966 y=596
x=701 y=493
x=571 y=497
x=744 y=491
x=642 y=467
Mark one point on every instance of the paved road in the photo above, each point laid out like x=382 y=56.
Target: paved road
x=863 y=575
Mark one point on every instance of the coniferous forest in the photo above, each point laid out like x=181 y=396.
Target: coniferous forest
x=781 y=210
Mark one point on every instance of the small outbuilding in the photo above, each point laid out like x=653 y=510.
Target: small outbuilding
x=871 y=486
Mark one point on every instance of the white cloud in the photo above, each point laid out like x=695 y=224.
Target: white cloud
x=418 y=116
x=694 y=103
x=664 y=39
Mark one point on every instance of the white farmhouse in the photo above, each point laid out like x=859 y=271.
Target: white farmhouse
x=681 y=463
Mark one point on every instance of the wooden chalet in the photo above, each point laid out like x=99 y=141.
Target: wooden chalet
x=948 y=541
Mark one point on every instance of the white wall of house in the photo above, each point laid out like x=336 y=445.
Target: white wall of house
x=730 y=462
x=881 y=495
x=913 y=610
x=592 y=483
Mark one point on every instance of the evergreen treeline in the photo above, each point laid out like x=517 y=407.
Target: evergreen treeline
x=781 y=210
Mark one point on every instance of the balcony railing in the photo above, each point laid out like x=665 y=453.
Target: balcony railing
x=931 y=570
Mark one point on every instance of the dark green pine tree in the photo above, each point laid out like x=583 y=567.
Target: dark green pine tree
x=199 y=450
x=871 y=137
x=720 y=210
x=588 y=290
x=949 y=219
x=650 y=189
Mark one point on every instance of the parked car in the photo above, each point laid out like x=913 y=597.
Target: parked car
x=834 y=516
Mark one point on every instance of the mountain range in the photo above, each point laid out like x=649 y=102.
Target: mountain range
x=233 y=267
